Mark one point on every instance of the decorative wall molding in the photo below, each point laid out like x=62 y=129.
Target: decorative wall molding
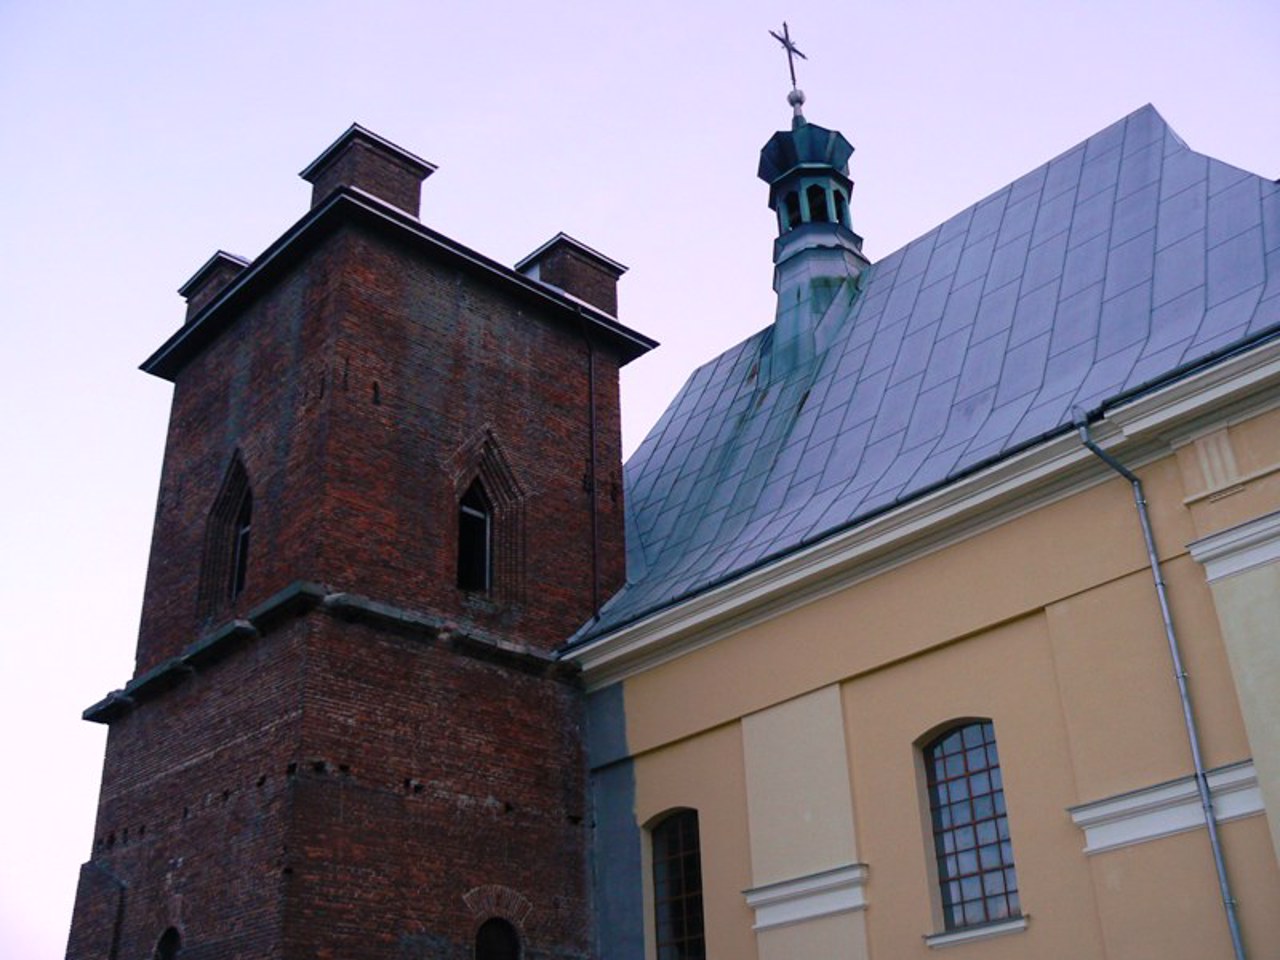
x=1167 y=808
x=805 y=898
x=953 y=937
x=1239 y=548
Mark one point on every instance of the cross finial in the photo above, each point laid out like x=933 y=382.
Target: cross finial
x=793 y=51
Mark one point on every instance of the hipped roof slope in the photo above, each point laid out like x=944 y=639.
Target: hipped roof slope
x=1119 y=264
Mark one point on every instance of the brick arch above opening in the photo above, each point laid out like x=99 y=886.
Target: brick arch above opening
x=496 y=900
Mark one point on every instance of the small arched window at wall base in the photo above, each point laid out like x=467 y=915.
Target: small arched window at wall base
x=976 y=876
x=677 y=888
x=169 y=946
x=475 y=540
x=497 y=940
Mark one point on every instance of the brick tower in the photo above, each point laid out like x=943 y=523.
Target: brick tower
x=391 y=488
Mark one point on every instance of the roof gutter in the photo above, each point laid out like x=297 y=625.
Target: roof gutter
x=1180 y=675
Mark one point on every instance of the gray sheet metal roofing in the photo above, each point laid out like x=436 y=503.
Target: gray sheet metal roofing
x=1117 y=264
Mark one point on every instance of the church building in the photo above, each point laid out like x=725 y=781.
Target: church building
x=939 y=615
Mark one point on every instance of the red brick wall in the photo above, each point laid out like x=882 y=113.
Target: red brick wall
x=571 y=271
x=372 y=171
x=255 y=389
x=333 y=789
x=453 y=360
x=461 y=775
x=339 y=790
x=360 y=493
x=192 y=816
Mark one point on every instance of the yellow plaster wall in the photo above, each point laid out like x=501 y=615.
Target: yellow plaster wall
x=1029 y=563
x=1248 y=604
x=1117 y=688
x=1233 y=474
x=798 y=794
x=1007 y=675
x=1257 y=443
x=842 y=936
x=1159 y=900
x=1048 y=625
x=705 y=773
x=998 y=575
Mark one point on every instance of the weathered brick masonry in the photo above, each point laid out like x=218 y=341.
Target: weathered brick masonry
x=352 y=756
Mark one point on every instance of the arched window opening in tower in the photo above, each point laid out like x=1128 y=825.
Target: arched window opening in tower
x=475 y=540
x=497 y=940
x=818 y=212
x=791 y=206
x=842 y=209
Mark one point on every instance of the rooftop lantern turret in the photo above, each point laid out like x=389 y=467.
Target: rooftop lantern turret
x=817 y=256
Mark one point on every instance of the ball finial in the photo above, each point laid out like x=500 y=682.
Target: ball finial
x=796 y=99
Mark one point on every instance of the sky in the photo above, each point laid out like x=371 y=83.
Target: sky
x=141 y=136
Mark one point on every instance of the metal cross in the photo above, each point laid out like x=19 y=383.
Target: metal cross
x=793 y=51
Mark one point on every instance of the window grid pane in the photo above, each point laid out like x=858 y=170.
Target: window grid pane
x=677 y=887
x=970 y=829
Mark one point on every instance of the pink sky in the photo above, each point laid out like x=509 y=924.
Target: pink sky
x=142 y=136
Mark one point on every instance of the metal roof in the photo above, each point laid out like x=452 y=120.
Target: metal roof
x=1120 y=263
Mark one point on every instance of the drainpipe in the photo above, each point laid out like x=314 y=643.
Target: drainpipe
x=1180 y=675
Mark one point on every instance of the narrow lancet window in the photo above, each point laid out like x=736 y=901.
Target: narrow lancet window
x=225 y=571
x=240 y=548
x=475 y=540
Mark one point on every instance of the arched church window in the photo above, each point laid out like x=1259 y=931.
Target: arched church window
x=791 y=204
x=818 y=212
x=475 y=540
x=169 y=945
x=677 y=888
x=970 y=828
x=497 y=940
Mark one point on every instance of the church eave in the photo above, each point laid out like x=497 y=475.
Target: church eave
x=1138 y=425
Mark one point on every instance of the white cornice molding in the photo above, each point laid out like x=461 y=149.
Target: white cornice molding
x=1181 y=404
x=1137 y=431
x=1167 y=808
x=1026 y=480
x=1239 y=548
x=804 y=898
x=969 y=934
